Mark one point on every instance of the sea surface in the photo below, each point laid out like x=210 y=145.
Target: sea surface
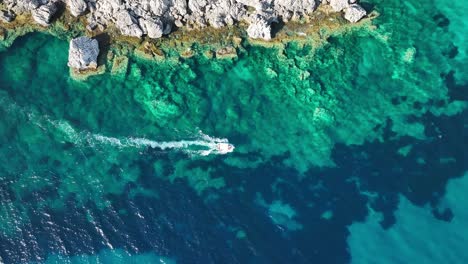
x=351 y=152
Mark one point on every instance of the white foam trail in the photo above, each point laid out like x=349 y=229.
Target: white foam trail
x=204 y=145
x=207 y=144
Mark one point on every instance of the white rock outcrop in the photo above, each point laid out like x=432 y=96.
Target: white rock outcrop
x=77 y=7
x=154 y=18
x=128 y=24
x=259 y=28
x=22 y=6
x=147 y=17
x=44 y=13
x=6 y=16
x=339 y=5
x=153 y=28
x=83 y=53
x=354 y=13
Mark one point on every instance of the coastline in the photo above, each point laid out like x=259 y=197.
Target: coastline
x=218 y=43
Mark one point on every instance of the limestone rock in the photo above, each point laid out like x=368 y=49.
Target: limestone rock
x=257 y=4
x=83 y=53
x=22 y=6
x=221 y=13
x=354 y=13
x=128 y=25
x=77 y=7
x=91 y=26
x=339 y=5
x=153 y=28
x=155 y=18
x=6 y=16
x=259 y=28
x=44 y=13
x=286 y=6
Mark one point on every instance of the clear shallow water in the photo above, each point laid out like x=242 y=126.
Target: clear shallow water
x=334 y=146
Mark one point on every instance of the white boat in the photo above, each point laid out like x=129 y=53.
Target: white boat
x=223 y=148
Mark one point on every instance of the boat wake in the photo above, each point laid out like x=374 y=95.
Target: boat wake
x=202 y=145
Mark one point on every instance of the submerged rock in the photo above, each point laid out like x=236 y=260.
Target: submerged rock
x=44 y=14
x=354 y=13
x=119 y=66
x=83 y=53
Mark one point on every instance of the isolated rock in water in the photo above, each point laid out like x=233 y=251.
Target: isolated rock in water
x=83 y=53
x=338 y=5
x=153 y=28
x=44 y=13
x=6 y=16
x=77 y=7
x=354 y=13
x=259 y=28
x=128 y=25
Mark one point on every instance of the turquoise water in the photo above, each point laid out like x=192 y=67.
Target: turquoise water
x=338 y=146
x=416 y=235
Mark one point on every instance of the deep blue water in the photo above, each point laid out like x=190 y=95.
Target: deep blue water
x=184 y=226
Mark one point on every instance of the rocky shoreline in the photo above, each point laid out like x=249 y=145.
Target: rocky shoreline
x=155 y=18
x=144 y=23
